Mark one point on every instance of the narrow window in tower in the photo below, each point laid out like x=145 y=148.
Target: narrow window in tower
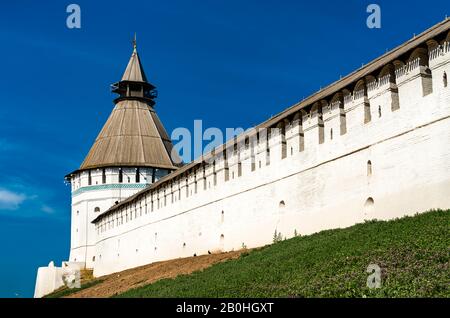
x=367 y=115
x=120 y=175
x=369 y=168
x=187 y=188
x=103 y=176
x=138 y=175
x=379 y=111
x=445 y=79
x=282 y=131
x=89 y=177
x=331 y=133
x=239 y=169
x=128 y=179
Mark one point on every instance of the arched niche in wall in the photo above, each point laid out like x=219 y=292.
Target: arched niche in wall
x=360 y=89
x=387 y=77
x=298 y=120
x=281 y=130
x=316 y=115
x=387 y=74
x=369 y=206
x=360 y=94
x=337 y=102
x=371 y=82
x=420 y=53
x=432 y=44
x=398 y=64
x=316 y=110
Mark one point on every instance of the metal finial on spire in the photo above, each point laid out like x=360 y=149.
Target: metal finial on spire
x=134 y=42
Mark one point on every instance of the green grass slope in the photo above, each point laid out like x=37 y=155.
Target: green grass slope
x=413 y=253
x=64 y=291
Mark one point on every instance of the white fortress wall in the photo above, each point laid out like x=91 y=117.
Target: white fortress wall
x=379 y=151
x=94 y=196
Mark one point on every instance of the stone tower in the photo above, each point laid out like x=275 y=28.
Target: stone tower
x=132 y=151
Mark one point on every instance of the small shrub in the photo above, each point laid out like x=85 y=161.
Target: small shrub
x=277 y=237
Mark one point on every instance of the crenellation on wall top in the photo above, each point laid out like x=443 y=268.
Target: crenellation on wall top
x=438 y=53
x=410 y=62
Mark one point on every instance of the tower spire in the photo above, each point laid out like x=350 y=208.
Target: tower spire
x=134 y=83
x=133 y=136
x=134 y=43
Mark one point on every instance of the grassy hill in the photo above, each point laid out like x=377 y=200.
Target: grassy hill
x=413 y=253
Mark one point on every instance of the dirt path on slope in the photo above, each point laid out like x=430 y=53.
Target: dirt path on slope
x=120 y=282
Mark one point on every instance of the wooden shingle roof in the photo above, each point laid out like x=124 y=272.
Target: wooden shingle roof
x=132 y=136
x=134 y=71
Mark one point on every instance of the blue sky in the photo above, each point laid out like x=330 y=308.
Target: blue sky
x=229 y=63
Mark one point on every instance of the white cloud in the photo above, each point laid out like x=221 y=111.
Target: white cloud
x=10 y=200
x=47 y=209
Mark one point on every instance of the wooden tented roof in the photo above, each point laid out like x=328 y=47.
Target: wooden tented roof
x=133 y=135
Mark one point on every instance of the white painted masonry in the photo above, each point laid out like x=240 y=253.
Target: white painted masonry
x=379 y=148
x=90 y=200
x=388 y=156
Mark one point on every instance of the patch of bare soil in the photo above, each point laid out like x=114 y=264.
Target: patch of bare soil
x=120 y=282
